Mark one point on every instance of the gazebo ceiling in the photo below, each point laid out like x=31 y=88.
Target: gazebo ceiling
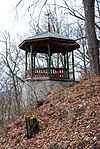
x=58 y=43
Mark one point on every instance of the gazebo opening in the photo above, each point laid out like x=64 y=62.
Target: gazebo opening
x=42 y=56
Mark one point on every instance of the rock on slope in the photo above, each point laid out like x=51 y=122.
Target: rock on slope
x=68 y=119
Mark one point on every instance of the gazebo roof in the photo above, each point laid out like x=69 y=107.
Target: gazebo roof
x=58 y=43
x=49 y=34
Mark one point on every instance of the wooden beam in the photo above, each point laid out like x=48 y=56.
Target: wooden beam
x=64 y=60
x=34 y=63
x=73 y=65
x=26 y=64
x=67 y=63
x=31 y=49
x=49 y=60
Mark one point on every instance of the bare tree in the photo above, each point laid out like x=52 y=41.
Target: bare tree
x=10 y=84
x=91 y=26
x=91 y=35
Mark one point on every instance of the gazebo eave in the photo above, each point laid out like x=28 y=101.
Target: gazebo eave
x=40 y=45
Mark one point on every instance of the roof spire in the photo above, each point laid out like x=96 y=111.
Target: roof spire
x=48 y=14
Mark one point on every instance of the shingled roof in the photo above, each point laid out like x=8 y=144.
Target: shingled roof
x=57 y=41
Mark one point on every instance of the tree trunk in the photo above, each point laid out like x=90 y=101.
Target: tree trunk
x=91 y=36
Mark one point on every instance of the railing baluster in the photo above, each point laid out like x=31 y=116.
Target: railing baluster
x=43 y=72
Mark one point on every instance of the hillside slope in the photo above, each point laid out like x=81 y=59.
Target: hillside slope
x=68 y=119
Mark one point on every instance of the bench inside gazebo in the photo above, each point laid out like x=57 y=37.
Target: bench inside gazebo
x=49 y=43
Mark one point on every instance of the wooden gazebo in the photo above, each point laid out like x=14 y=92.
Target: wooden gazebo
x=49 y=43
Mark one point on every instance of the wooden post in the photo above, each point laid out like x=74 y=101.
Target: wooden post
x=26 y=64
x=31 y=49
x=64 y=60
x=73 y=65
x=64 y=72
x=49 y=59
x=31 y=126
x=34 y=62
x=67 y=63
x=34 y=55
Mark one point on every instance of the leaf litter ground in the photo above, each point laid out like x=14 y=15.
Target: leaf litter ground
x=69 y=118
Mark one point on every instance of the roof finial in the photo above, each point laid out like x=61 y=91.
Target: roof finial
x=48 y=14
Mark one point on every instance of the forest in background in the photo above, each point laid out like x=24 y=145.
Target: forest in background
x=68 y=19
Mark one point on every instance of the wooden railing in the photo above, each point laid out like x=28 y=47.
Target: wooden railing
x=59 y=73
x=43 y=72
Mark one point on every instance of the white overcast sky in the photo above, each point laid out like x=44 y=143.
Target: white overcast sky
x=8 y=19
x=5 y=14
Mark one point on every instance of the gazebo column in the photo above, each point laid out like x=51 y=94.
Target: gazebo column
x=73 y=65
x=34 y=56
x=49 y=61
x=34 y=61
x=31 y=49
x=64 y=60
x=67 y=64
x=26 y=63
x=64 y=65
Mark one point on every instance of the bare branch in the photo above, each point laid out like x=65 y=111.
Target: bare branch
x=18 y=3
